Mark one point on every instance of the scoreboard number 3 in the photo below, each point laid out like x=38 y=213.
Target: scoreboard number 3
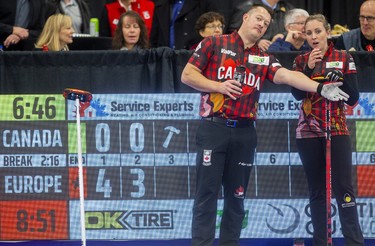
x=138 y=183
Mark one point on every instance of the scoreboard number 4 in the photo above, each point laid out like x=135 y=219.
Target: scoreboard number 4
x=103 y=185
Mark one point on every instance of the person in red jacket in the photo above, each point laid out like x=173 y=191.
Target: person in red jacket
x=112 y=12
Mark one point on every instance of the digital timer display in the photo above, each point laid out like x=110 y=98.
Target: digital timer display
x=33 y=219
x=32 y=107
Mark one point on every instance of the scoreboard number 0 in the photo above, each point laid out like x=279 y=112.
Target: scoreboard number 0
x=137 y=137
x=103 y=137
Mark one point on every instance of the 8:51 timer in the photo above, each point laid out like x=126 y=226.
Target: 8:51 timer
x=33 y=219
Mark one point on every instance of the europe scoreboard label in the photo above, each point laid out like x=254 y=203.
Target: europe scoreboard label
x=139 y=158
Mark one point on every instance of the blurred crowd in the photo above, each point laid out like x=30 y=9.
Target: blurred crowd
x=178 y=24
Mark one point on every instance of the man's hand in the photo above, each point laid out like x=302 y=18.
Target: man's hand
x=264 y=44
x=277 y=36
x=231 y=88
x=332 y=92
x=21 y=32
x=294 y=36
x=12 y=39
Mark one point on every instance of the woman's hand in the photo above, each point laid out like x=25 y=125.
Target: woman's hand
x=315 y=56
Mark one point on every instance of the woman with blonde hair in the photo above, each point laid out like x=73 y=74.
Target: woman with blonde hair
x=57 y=33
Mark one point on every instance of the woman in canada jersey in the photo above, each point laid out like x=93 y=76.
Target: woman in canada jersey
x=325 y=64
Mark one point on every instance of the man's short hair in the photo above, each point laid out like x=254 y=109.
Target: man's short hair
x=257 y=5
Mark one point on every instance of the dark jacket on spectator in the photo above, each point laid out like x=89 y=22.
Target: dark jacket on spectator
x=353 y=39
x=185 y=34
x=281 y=45
x=37 y=17
x=83 y=8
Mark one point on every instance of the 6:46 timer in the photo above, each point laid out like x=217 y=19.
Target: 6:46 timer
x=32 y=107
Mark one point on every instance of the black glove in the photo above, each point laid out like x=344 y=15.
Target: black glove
x=334 y=75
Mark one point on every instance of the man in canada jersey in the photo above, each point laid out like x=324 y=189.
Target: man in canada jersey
x=226 y=138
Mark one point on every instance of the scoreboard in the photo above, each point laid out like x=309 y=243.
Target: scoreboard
x=139 y=167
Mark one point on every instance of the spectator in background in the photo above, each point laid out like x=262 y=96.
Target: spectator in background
x=78 y=10
x=130 y=33
x=275 y=30
x=21 y=20
x=112 y=12
x=363 y=38
x=209 y=24
x=295 y=38
x=96 y=7
x=56 y=34
x=174 y=21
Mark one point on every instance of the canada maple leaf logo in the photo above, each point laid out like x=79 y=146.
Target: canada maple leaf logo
x=240 y=191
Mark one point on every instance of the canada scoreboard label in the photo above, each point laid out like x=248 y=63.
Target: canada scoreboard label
x=139 y=166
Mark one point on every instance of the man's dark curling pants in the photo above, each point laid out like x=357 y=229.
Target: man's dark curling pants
x=225 y=155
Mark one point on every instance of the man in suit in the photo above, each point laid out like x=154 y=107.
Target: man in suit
x=21 y=20
x=174 y=21
x=78 y=10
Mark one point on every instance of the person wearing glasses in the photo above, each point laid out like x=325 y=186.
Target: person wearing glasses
x=209 y=24
x=362 y=38
x=295 y=38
